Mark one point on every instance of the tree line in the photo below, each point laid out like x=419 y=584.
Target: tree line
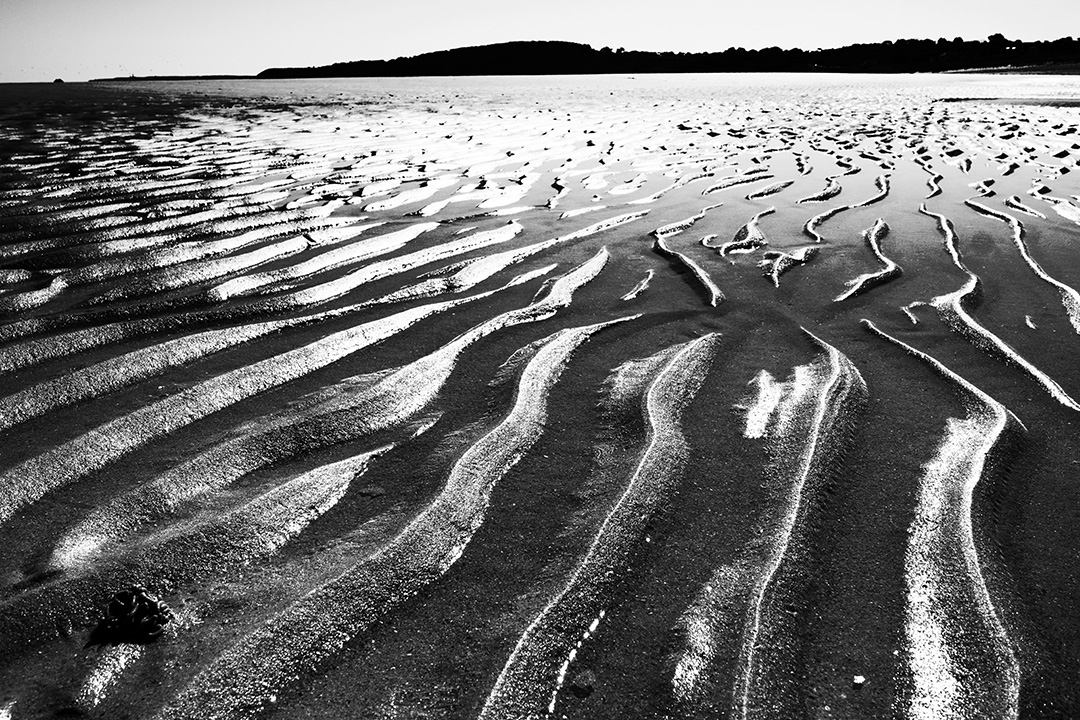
x=567 y=58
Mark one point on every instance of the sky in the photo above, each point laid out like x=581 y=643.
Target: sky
x=82 y=39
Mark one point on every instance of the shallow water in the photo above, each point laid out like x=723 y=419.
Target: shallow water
x=545 y=396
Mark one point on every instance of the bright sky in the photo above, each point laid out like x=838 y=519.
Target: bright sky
x=83 y=39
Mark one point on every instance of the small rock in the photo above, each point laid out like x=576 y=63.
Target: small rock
x=859 y=680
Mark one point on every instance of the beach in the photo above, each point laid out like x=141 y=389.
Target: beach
x=657 y=396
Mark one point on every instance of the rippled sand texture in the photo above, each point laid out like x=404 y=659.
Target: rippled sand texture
x=668 y=397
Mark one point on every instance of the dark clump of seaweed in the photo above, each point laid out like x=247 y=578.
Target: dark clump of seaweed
x=133 y=616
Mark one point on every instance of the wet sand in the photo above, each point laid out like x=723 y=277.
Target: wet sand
x=665 y=397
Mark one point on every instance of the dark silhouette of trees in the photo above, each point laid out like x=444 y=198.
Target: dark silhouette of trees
x=567 y=58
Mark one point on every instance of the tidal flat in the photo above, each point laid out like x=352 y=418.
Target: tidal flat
x=658 y=396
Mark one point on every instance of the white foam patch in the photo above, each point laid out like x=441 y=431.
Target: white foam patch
x=700 y=624
x=1065 y=209
x=106 y=672
x=760 y=413
x=934 y=673
x=941 y=559
x=631 y=378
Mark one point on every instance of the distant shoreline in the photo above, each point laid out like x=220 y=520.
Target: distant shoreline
x=1048 y=69
x=158 y=78
x=997 y=55
x=1028 y=70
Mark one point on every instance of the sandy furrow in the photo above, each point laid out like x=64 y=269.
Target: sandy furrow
x=122 y=188
x=247 y=677
x=983 y=188
x=103 y=377
x=415 y=195
x=882 y=184
x=443 y=251
x=529 y=683
x=775 y=263
x=831 y=190
x=198 y=250
x=733 y=181
x=679 y=226
x=200 y=271
x=458 y=278
x=393 y=400
x=1062 y=207
x=481 y=267
x=811 y=226
x=714 y=293
x=108 y=249
x=336 y=257
x=829 y=394
x=33 y=351
x=130 y=232
x=961 y=663
x=951 y=309
x=26 y=300
x=256 y=529
x=103 y=445
x=747 y=238
x=1070 y=298
x=771 y=189
x=857 y=286
x=684 y=180
x=48 y=220
x=934 y=184
x=464 y=275
x=1014 y=202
